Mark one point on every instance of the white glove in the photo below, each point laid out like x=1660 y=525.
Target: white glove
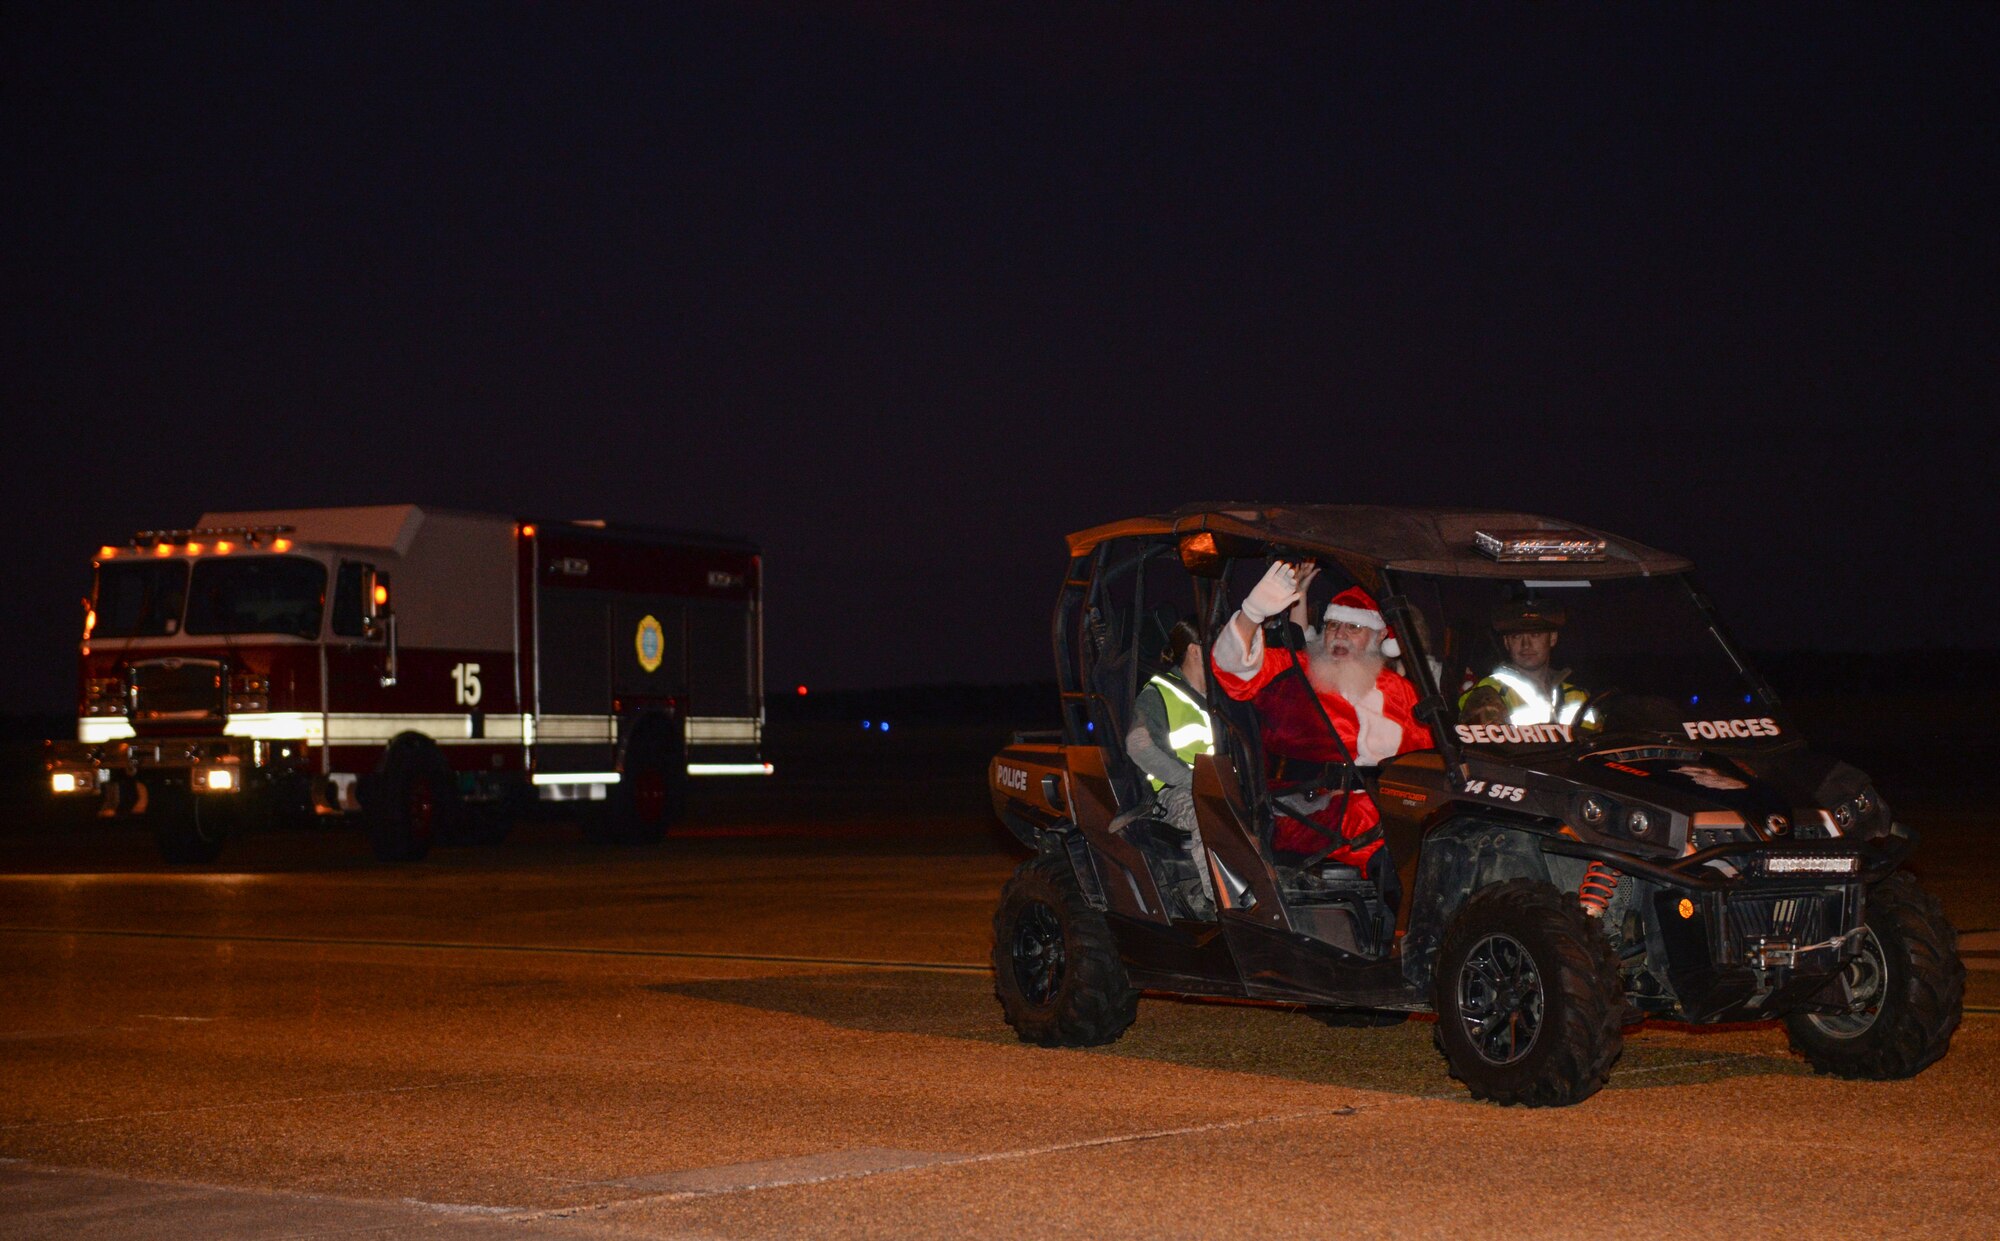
x=1278 y=590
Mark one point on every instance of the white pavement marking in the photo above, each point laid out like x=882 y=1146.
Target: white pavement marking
x=870 y=1161
x=773 y=1173
x=63 y=1202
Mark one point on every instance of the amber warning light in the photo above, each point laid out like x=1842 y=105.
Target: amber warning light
x=381 y=595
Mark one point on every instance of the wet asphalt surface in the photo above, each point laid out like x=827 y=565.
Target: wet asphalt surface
x=778 y=1024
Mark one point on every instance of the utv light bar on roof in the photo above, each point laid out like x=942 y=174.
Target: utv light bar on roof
x=1538 y=545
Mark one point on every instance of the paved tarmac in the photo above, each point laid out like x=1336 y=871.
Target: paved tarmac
x=781 y=1026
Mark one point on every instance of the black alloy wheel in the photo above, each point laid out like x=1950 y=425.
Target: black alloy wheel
x=1530 y=1004
x=1500 y=999
x=1038 y=953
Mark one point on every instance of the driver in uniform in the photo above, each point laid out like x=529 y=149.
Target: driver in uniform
x=1527 y=688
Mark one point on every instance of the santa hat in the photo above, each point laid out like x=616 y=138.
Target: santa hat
x=1355 y=606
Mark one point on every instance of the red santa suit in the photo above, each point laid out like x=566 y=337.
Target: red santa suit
x=1378 y=726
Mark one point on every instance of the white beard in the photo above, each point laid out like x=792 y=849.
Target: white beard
x=1351 y=678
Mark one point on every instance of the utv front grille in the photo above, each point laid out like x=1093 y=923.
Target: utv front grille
x=1798 y=917
x=178 y=689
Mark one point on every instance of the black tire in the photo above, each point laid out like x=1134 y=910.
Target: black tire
x=188 y=829
x=411 y=803
x=1910 y=985
x=1530 y=1007
x=1056 y=970
x=651 y=793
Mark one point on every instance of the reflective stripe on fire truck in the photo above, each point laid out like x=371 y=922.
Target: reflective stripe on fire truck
x=361 y=728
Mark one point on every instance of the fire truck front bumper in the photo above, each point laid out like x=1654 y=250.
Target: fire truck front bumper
x=218 y=766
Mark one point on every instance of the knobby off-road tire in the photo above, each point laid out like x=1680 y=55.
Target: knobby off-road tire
x=1055 y=964
x=1529 y=1003
x=1910 y=985
x=188 y=828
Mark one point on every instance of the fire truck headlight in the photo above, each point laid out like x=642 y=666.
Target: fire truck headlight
x=219 y=779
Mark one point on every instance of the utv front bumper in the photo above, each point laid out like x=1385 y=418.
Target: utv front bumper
x=1755 y=930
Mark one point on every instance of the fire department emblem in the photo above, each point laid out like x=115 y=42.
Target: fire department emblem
x=652 y=643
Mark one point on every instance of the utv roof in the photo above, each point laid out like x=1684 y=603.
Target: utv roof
x=1368 y=538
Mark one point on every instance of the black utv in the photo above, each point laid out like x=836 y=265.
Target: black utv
x=1652 y=838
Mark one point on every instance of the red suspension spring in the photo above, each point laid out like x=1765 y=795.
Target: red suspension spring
x=1600 y=883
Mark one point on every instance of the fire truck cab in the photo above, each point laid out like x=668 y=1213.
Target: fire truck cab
x=428 y=672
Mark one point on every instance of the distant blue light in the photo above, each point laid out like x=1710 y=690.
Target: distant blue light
x=865 y=726
x=1693 y=700
x=885 y=726
x=1746 y=698
x=1090 y=728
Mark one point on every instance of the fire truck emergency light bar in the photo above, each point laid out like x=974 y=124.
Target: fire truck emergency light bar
x=1507 y=545
x=249 y=534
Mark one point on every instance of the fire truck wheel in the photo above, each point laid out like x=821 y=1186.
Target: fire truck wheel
x=186 y=829
x=651 y=794
x=410 y=803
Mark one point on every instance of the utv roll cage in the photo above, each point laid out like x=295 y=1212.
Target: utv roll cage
x=1103 y=652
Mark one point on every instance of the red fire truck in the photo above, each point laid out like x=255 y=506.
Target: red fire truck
x=431 y=673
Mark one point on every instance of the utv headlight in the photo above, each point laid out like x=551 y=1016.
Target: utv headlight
x=1640 y=823
x=1594 y=811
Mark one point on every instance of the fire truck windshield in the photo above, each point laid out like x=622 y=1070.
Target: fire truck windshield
x=257 y=594
x=140 y=598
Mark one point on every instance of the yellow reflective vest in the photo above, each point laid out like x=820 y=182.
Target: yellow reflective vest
x=1528 y=703
x=1188 y=730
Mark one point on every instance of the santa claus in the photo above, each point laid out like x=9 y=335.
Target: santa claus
x=1346 y=669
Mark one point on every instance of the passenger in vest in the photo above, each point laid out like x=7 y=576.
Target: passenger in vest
x=1528 y=688
x=1369 y=705
x=1171 y=728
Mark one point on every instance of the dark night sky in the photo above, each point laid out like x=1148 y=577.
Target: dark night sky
x=907 y=294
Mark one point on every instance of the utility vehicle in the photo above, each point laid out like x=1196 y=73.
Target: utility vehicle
x=1666 y=844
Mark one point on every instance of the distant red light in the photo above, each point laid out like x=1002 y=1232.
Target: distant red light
x=802 y=691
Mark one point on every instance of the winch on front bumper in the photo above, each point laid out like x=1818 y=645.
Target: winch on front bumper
x=1756 y=929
